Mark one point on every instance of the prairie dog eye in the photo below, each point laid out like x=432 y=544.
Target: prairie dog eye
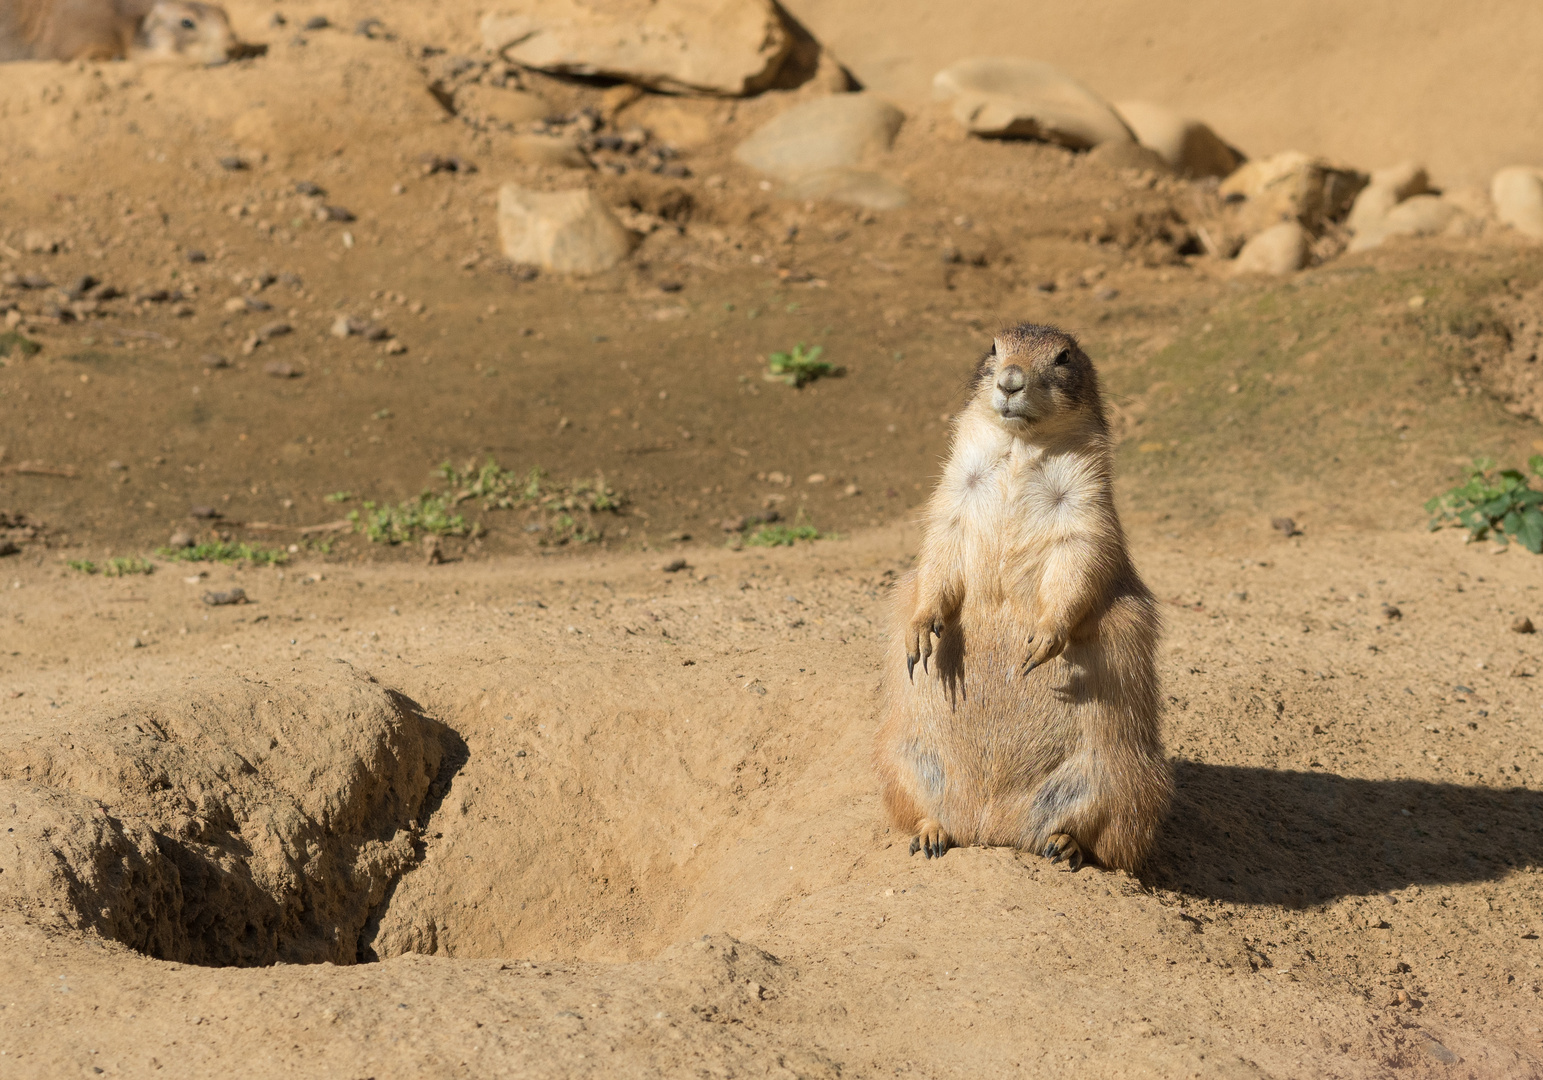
x=189 y=24
x=1063 y=358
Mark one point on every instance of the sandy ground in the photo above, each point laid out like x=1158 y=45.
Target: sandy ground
x=560 y=812
x=1350 y=876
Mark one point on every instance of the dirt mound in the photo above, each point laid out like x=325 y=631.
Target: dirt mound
x=228 y=821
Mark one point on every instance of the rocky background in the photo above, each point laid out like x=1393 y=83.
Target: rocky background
x=394 y=675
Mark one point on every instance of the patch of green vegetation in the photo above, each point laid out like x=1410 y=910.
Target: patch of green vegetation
x=427 y=515
x=14 y=343
x=338 y=496
x=565 y=510
x=800 y=366
x=225 y=551
x=785 y=535
x=114 y=567
x=1498 y=503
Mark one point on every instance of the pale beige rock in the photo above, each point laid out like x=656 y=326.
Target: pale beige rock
x=1290 y=187
x=1005 y=97
x=1188 y=146
x=1386 y=189
x=1517 y=192
x=492 y=105
x=677 y=123
x=1279 y=249
x=550 y=150
x=1418 y=215
x=838 y=131
x=731 y=47
x=570 y=232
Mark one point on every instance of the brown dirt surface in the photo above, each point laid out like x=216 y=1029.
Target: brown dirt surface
x=538 y=805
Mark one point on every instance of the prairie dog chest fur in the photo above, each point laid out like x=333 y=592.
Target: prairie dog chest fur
x=1007 y=502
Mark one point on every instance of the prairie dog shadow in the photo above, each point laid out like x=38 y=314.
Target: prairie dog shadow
x=1257 y=835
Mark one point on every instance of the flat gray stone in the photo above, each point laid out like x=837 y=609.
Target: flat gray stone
x=1010 y=98
x=570 y=232
x=730 y=47
x=839 y=131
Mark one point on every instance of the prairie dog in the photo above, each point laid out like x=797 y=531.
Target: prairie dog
x=1033 y=720
x=114 y=29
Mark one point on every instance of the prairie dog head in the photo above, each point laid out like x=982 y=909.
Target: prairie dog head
x=1037 y=379
x=185 y=30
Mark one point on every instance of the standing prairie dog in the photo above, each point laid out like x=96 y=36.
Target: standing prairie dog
x=114 y=29
x=1033 y=720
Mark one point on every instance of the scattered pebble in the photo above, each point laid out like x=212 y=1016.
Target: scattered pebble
x=233 y=164
x=1523 y=626
x=181 y=538
x=214 y=360
x=229 y=596
x=281 y=369
x=316 y=22
x=194 y=255
x=334 y=213
x=203 y=512
x=1391 y=613
x=308 y=187
x=674 y=566
x=1285 y=526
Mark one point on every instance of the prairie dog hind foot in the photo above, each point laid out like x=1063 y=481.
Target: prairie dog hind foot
x=930 y=839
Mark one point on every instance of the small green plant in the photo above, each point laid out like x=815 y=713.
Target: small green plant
x=225 y=551
x=339 y=496
x=14 y=343
x=801 y=365
x=427 y=515
x=1498 y=503
x=114 y=567
x=778 y=535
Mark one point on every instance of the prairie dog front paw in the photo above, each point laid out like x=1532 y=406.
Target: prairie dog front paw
x=1048 y=642
x=924 y=626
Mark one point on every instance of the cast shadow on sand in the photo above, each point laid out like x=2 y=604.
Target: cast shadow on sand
x=1267 y=836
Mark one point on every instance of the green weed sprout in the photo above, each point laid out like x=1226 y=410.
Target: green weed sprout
x=1498 y=503
x=800 y=366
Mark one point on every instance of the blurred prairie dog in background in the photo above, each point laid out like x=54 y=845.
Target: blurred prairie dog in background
x=1033 y=721
x=114 y=29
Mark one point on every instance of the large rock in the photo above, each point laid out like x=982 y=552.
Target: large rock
x=1007 y=98
x=838 y=131
x=1280 y=249
x=1517 y=192
x=1290 y=187
x=1189 y=147
x=570 y=232
x=731 y=47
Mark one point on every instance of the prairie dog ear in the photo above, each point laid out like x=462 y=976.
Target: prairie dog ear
x=997 y=348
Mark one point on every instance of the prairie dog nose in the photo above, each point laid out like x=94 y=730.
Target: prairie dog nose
x=1010 y=379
